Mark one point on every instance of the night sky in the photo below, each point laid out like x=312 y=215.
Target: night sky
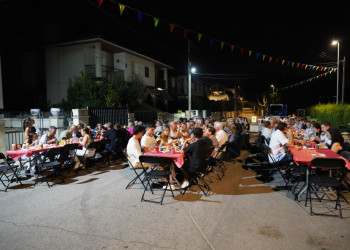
x=298 y=31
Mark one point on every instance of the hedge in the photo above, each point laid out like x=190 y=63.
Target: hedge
x=336 y=114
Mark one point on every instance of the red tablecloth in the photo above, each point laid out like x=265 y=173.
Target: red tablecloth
x=305 y=156
x=16 y=154
x=178 y=157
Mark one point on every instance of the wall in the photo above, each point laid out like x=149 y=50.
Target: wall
x=62 y=63
x=137 y=65
x=1 y=93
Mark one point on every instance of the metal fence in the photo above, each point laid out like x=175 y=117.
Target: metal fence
x=106 y=114
x=17 y=137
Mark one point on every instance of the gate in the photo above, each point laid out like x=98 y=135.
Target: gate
x=108 y=114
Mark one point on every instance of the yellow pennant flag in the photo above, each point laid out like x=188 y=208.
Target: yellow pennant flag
x=250 y=52
x=121 y=7
x=317 y=68
x=222 y=44
x=199 y=37
x=313 y=67
x=306 y=66
x=282 y=62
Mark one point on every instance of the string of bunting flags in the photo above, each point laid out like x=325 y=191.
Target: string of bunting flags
x=232 y=47
x=308 y=80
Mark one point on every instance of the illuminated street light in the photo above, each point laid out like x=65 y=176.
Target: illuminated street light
x=337 y=43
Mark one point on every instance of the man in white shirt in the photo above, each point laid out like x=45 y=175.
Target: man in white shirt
x=324 y=127
x=148 y=142
x=279 y=140
x=220 y=134
x=133 y=148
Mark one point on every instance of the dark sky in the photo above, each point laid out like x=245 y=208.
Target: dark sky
x=299 y=31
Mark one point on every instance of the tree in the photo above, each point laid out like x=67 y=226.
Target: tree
x=130 y=92
x=84 y=91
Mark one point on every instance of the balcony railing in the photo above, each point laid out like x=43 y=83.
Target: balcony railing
x=106 y=70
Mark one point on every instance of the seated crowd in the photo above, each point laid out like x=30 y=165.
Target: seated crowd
x=288 y=132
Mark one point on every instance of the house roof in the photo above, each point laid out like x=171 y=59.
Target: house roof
x=111 y=47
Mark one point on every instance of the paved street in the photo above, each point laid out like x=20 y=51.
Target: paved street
x=95 y=211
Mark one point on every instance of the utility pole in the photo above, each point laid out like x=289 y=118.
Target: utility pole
x=343 y=83
x=189 y=78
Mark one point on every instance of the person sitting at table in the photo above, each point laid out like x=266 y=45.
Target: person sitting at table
x=110 y=134
x=210 y=132
x=220 y=134
x=266 y=132
x=49 y=137
x=159 y=128
x=28 y=127
x=97 y=129
x=324 y=127
x=279 y=141
x=174 y=130
x=183 y=132
x=148 y=142
x=337 y=139
x=316 y=132
x=198 y=151
x=133 y=148
x=67 y=134
x=33 y=139
x=165 y=139
x=84 y=141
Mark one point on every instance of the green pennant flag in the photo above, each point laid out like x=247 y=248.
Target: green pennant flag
x=222 y=44
x=292 y=64
x=156 y=20
x=264 y=57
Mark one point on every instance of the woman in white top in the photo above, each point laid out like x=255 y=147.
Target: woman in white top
x=84 y=141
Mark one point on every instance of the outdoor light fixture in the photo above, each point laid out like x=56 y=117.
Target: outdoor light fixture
x=193 y=70
x=273 y=89
x=337 y=43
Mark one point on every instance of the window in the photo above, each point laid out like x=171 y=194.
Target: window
x=147 y=72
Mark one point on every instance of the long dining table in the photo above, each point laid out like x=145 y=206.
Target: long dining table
x=305 y=156
x=177 y=156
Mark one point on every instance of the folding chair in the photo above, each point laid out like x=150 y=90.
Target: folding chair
x=155 y=174
x=324 y=183
x=50 y=164
x=217 y=159
x=139 y=172
x=67 y=155
x=87 y=161
x=8 y=172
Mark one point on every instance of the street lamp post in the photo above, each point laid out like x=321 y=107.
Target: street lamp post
x=273 y=89
x=337 y=43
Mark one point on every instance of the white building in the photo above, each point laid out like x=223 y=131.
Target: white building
x=66 y=60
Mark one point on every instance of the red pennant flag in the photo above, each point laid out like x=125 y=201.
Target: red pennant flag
x=270 y=59
x=172 y=27
x=99 y=2
x=276 y=61
x=322 y=68
x=302 y=65
x=185 y=33
x=298 y=65
x=232 y=48
x=241 y=51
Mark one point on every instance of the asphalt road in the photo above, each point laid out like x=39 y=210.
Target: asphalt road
x=95 y=211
